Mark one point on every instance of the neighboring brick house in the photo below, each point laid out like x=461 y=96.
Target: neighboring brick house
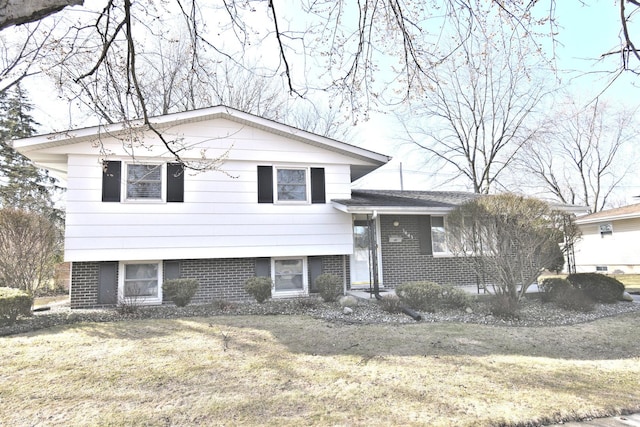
x=280 y=205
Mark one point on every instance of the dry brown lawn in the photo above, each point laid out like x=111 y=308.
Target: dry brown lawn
x=298 y=371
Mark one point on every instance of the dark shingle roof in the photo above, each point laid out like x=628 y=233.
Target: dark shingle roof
x=397 y=198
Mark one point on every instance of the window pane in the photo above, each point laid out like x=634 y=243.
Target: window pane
x=288 y=274
x=144 y=181
x=141 y=280
x=438 y=237
x=292 y=184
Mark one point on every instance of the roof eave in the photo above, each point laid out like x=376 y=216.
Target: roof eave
x=392 y=210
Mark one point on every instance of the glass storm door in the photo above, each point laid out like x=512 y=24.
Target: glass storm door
x=361 y=260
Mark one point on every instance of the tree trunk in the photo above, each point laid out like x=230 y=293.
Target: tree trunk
x=16 y=12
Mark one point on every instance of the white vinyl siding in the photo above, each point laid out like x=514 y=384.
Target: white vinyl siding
x=619 y=250
x=220 y=216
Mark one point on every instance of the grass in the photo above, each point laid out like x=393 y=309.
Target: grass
x=295 y=370
x=631 y=281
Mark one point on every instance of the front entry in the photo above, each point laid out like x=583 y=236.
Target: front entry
x=361 y=262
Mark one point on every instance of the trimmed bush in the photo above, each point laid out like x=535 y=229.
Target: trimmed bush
x=504 y=306
x=419 y=295
x=553 y=287
x=329 y=286
x=391 y=304
x=599 y=287
x=454 y=297
x=180 y=291
x=575 y=300
x=259 y=288
x=14 y=303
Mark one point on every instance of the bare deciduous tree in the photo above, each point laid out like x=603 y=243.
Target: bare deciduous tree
x=29 y=250
x=344 y=48
x=581 y=158
x=507 y=240
x=478 y=109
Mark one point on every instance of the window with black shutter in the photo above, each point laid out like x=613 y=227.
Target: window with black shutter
x=175 y=182
x=111 y=185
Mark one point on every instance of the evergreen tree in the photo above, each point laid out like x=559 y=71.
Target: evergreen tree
x=22 y=185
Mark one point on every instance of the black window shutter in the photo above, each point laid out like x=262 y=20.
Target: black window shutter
x=424 y=233
x=108 y=283
x=175 y=182
x=171 y=270
x=263 y=267
x=111 y=180
x=317 y=186
x=315 y=269
x=265 y=184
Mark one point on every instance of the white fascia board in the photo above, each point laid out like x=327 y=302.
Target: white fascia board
x=162 y=122
x=607 y=218
x=394 y=210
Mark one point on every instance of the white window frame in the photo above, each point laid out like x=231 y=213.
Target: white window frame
x=444 y=226
x=305 y=278
x=139 y=300
x=307 y=178
x=163 y=182
x=606 y=230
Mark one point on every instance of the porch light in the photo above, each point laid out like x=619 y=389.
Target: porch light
x=396 y=223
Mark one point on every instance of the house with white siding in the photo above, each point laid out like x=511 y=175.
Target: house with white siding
x=610 y=241
x=279 y=204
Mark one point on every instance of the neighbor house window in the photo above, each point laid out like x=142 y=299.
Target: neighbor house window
x=289 y=275
x=438 y=237
x=606 y=230
x=140 y=282
x=144 y=182
x=291 y=185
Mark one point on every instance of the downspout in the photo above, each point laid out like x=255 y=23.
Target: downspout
x=373 y=241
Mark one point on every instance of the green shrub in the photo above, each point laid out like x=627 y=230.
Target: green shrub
x=553 y=287
x=180 y=291
x=259 y=288
x=575 y=300
x=13 y=303
x=454 y=297
x=329 y=286
x=599 y=287
x=504 y=306
x=420 y=295
x=390 y=304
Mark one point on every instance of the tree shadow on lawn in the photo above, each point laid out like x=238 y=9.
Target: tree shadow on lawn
x=604 y=339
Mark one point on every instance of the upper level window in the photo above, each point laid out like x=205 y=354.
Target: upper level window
x=438 y=237
x=144 y=182
x=291 y=185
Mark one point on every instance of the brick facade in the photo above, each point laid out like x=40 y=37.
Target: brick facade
x=84 y=284
x=219 y=279
x=402 y=261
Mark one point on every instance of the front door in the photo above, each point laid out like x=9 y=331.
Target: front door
x=361 y=261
